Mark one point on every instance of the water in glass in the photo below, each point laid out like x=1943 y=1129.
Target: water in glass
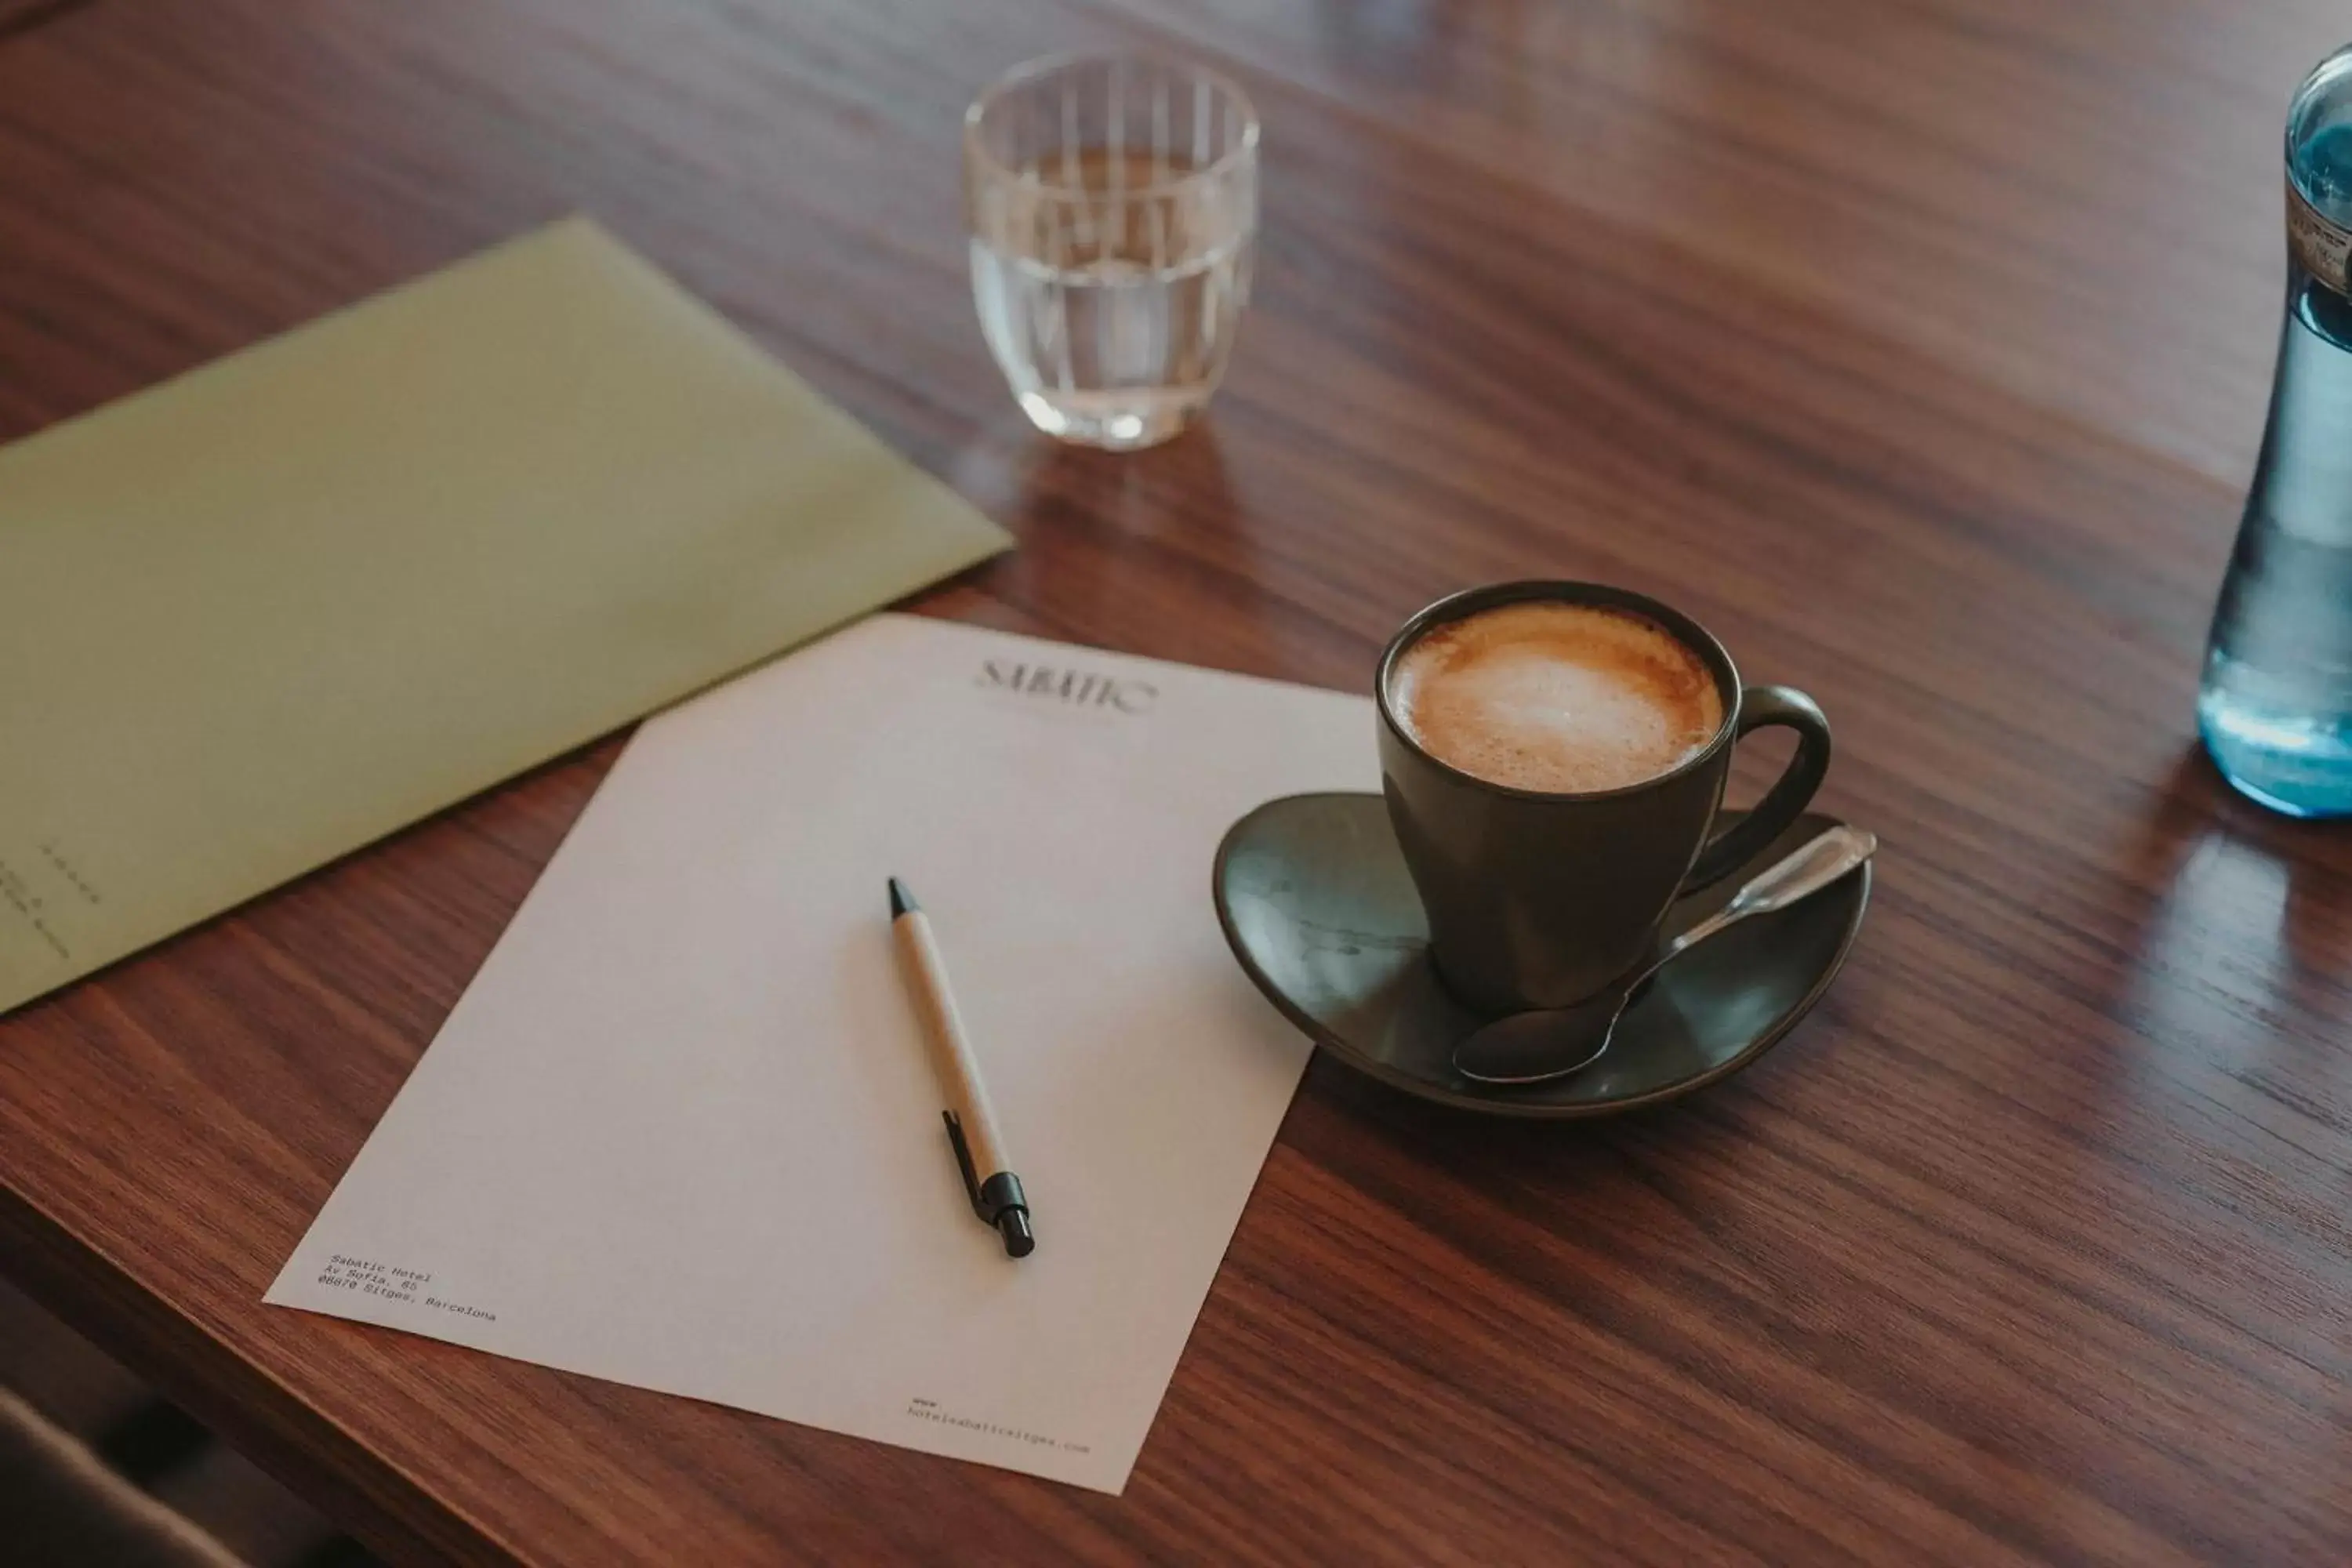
x=1114 y=216
x=2276 y=704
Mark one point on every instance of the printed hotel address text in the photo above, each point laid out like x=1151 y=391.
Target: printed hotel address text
x=367 y=1277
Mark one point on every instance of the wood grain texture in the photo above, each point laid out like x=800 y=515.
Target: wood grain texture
x=24 y=15
x=1914 y=348
x=2077 y=203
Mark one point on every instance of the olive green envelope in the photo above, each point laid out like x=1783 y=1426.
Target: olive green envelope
x=283 y=605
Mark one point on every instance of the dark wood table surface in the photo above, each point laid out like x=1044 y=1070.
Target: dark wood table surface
x=1916 y=346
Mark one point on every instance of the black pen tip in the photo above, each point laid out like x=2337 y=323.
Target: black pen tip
x=1020 y=1241
x=901 y=900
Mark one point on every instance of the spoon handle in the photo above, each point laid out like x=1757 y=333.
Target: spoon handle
x=1806 y=870
x=1801 y=873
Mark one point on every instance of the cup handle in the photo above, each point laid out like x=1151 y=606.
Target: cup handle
x=1760 y=706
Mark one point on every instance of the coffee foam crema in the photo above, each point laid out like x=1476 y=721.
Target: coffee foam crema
x=1560 y=698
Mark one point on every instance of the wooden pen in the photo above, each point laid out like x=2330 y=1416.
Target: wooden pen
x=996 y=1195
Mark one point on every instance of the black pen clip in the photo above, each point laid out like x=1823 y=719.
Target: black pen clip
x=999 y=1201
x=964 y=1164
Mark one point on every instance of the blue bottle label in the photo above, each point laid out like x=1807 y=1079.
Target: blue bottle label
x=2321 y=245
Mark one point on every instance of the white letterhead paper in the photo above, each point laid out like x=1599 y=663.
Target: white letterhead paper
x=682 y=1132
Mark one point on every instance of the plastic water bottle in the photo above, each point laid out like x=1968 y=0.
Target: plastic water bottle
x=2276 y=704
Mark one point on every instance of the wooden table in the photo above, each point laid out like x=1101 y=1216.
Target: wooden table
x=1916 y=346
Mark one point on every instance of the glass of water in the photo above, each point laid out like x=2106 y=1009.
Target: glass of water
x=1113 y=207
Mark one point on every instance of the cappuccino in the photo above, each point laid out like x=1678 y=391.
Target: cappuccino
x=1563 y=699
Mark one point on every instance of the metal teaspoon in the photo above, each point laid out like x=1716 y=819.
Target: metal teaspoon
x=1539 y=1046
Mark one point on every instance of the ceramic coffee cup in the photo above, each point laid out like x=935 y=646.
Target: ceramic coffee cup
x=1539 y=900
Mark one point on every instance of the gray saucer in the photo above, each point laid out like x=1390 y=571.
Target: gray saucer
x=1315 y=900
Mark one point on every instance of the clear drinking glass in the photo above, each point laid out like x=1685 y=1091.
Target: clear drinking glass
x=1113 y=207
